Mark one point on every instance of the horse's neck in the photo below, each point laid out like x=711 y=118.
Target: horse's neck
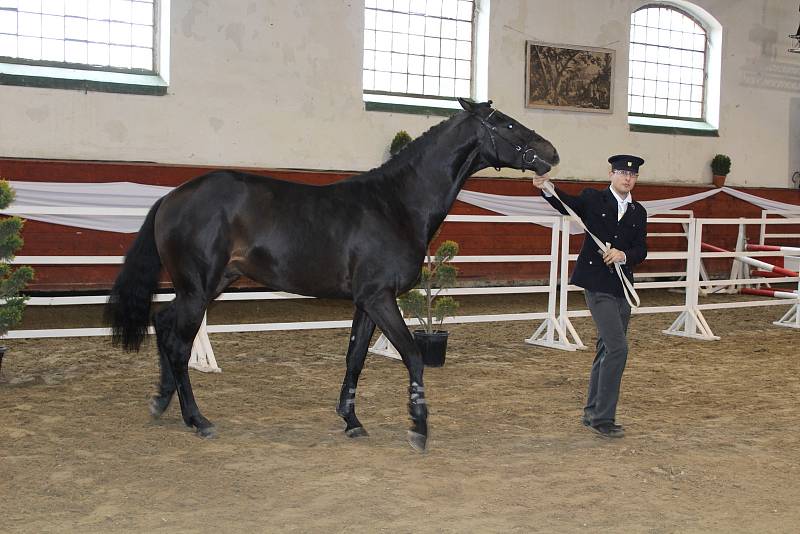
x=439 y=172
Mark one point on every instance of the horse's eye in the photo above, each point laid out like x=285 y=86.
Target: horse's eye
x=510 y=126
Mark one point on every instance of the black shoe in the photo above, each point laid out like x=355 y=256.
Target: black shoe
x=586 y=418
x=608 y=430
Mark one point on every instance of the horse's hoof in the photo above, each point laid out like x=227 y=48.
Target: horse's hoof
x=207 y=432
x=156 y=407
x=417 y=441
x=357 y=432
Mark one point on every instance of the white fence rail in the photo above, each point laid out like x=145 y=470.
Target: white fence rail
x=690 y=321
x=555 y=330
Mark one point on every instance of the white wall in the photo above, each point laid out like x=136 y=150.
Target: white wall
x=277 y=84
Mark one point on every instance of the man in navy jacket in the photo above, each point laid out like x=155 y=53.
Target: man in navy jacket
x=615 y=218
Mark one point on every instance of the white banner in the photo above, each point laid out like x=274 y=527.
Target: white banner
x=110 y=196
x=513 y=205
x=122 y=206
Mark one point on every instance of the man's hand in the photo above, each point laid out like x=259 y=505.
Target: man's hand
x=538 y=181
x=613 y=255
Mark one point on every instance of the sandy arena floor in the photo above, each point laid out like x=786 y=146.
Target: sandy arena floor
x=711 y=445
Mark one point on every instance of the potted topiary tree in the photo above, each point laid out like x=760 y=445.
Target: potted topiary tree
x=401 y=139
x=429 y=307
x=720 y=167
x=12 y=281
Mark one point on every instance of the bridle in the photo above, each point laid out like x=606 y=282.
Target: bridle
x=529 y=156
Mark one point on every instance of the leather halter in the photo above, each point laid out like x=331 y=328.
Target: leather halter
x=529 y=156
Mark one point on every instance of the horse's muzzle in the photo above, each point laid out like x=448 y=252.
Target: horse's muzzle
x=531 y=160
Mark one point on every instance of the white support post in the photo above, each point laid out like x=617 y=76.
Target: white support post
x=703 y=291
x=554 y=331
x=383 y=347
x=791 y=318
x=202 y=358
x=563 y=316
x=690 y=322
x=739 y=269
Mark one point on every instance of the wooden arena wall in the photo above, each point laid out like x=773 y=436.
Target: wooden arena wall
x=43 y=239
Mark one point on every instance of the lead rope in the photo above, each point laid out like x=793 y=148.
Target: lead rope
x=627 y=286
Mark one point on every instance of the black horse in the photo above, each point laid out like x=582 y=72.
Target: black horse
x=363 y=238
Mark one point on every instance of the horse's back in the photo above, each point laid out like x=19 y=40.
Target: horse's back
x=306 y=239
x=288 y=236
x=227 y=194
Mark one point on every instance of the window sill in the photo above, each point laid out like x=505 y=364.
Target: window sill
x=411 y=104
x=83 y=80
x=671 y=126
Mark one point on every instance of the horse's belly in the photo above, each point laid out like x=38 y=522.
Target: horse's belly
x=315 y=277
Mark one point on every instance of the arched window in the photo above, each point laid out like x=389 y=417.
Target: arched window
x=420 y=52
x=674 y=69
x=666 y=77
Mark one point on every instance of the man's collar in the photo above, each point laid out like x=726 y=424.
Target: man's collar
x=628 y=198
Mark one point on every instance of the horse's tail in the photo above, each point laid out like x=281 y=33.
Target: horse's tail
x=128 y=308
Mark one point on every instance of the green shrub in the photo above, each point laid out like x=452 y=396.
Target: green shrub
x=721 y=165
x=401 y=139
x=12 y=281
x=437 y=274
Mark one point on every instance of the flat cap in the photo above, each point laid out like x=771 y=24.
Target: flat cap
x=625 y=162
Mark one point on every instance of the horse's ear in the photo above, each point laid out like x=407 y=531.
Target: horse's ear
x=468 y=105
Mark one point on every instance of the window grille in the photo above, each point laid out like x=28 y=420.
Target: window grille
x=418 y=47
x=112 y=35
x=667 y=64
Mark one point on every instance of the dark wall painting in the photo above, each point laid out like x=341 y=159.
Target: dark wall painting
x=569 y=78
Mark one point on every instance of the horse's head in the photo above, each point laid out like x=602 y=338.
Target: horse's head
x=507 y=143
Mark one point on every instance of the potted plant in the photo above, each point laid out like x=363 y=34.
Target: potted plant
x=429 y=307
x=12 y=281
x=720 y=167
x=401 y=139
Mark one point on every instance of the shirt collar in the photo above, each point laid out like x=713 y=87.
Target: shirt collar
x=620 y=200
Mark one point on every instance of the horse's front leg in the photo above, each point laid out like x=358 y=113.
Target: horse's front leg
x=384 y=311
x=360 y=335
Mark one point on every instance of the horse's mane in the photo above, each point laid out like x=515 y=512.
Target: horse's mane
x=397 y=166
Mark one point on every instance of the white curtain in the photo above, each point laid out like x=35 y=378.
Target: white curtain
x=111 y=195
x=530 y=206
x=763 y=203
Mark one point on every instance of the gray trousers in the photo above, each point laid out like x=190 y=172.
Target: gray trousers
x=611 y=315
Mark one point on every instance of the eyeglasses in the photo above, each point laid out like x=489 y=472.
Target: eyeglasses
x=631 y=174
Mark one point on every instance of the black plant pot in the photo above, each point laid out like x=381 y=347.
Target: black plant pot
x=432 y=346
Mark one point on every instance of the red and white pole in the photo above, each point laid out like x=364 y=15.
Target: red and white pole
x=775 y=248
x=765 y=274
x=770 y=293
x=762 y=265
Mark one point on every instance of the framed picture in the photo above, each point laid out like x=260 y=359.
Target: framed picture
x=567 y=77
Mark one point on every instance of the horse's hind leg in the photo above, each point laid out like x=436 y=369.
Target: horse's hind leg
x=360 y=335
x=178 y=326
x=163 y=322
x=383 y=310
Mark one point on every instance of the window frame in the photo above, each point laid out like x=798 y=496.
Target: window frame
x=705 y=125
x=63 y=75
x=422 y=104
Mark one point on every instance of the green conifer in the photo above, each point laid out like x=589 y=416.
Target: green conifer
x=12 y=281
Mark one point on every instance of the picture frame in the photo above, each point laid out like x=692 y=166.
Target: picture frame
x=569 y=77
